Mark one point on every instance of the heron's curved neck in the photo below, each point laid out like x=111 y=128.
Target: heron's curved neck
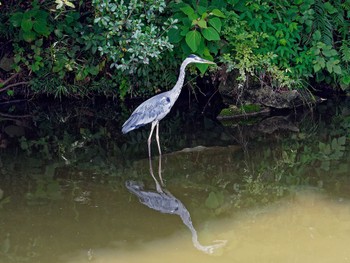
x=180 y=81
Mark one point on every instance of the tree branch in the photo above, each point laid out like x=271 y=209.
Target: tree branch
x=9 y=79
x=14 y=116
x=14 y=85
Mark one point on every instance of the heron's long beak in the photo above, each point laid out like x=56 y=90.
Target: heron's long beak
x=208 y=62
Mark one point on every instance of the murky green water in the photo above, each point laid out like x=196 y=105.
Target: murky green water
x=277 y=190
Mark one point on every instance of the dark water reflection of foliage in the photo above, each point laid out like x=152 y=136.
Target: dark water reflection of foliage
x=84 y=141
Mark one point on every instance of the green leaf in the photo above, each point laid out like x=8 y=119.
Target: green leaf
x=337 y=69
x=26 y=25
x=329 y=8
x=329 y=66
x=41 y=28
x=329 y=52
x=202 y=23
x=69 y=4
x=207 y=55
x=193 y=17
x=213 y=47
x=185 y=48
x=10 y=92
x=29 y=36
x=346 y=80
x=218 y=13
x=317 y=67
x=17 y=58
x=205 y=15
x=193 y=39
x=201 y=10
x=320 y=61
x=202 y=67
x=201 y=48
x=210 y=34
x=41 y=15
x=222 y=4
x=94 y=70
x=59 y=33
x=283 y=41
x=39 y=42
x=215 y=23
x=16 y=19
x=316 y=35
x=59 y=4
x=184 y=30
x=187 y=10
x=174 y=35
x=293 y=27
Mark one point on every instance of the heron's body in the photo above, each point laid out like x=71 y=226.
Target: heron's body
x=156 y=108
x=147 y=112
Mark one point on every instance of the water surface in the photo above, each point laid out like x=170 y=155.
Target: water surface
x=242 y=192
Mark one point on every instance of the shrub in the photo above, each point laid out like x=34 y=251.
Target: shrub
x=282 y=43
x=130 y=35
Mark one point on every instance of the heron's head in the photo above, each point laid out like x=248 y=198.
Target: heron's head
x=195 y=59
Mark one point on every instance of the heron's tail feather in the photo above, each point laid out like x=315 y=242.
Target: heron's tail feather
x=132 y=123
x=126 y=129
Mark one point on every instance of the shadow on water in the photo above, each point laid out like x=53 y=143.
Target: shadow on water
x=275 y=194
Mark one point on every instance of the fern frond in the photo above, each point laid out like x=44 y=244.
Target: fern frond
x=323 y=23
x=345 y=52
x=342 y=25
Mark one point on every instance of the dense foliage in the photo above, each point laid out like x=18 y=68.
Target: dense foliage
x=123 y=47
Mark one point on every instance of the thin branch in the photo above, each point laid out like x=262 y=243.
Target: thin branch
x=14 y=85
x=12 y=101
x=9 y=79
x=14 y=116
x=206 y=105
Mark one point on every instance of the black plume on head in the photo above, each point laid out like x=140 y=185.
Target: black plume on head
x=192 y=56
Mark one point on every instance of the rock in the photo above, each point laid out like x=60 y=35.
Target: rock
x=279 y=100
x=272 y=124
x=236 y=94
x=14 y=131
x=6 y=63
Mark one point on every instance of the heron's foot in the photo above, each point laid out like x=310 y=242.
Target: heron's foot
x=159 y=188
x=211 y=249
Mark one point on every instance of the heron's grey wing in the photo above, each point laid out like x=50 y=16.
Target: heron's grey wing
x=155 y=108
x=159 y=201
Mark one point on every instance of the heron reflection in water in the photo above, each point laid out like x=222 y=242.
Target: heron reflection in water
x=156 y=108
x=163 y=201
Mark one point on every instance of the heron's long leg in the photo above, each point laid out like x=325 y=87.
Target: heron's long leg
x=157 y=138
x=158 y=187
x=160 y=170
x=160 y=156
x=150 y=139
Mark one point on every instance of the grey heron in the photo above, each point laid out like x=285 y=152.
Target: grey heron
x=157 y=107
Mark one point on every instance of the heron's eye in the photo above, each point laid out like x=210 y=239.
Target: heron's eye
x=167 y=99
